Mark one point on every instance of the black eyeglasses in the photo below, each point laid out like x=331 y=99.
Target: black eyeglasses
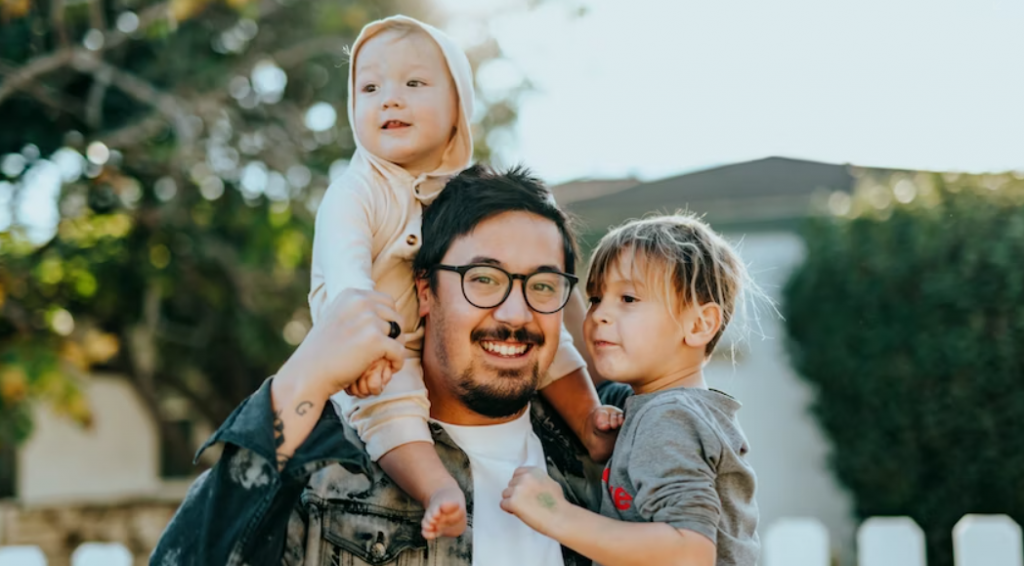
x=487 y=286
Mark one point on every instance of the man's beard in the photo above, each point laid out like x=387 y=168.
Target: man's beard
x=512 y=390
x=502 y=398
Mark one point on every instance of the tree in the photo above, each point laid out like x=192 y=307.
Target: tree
x=188 y=143
x=907 y=318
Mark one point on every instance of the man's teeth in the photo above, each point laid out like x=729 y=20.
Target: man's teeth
x=505 y=349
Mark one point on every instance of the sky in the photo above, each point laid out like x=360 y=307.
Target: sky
x=655 y=88
x=652 y=88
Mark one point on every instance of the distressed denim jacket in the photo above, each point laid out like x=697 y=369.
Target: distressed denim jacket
x=332 y=506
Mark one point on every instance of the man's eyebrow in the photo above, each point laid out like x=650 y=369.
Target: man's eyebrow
x=492 y=261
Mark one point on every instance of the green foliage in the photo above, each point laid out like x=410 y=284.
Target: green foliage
x=907 y=317
x=180 y=259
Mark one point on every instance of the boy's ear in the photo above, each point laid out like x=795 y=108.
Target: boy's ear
x=703 y=325
x=424 y=294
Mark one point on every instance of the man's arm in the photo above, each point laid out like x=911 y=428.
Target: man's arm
x=239 y=511
x=537 y=500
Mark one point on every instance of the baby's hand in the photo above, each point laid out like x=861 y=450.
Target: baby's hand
x=605 y=422
x=535 y=498
x=372 y=382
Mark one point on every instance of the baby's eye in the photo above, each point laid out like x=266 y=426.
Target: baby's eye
x=369 y=88
x=414 y=83
x=629 y=299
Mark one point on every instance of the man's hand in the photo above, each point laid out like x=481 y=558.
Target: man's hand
x=351 y=336
x=602 y=432
x=535 y=498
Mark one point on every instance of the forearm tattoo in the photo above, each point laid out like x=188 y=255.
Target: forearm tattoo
x=282 y=459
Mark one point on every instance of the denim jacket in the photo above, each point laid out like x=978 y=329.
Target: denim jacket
x=332 y=506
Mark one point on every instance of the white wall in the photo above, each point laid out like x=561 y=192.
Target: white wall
x=117 y=458
x=788 y=450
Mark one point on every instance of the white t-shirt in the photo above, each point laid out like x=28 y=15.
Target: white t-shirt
x=495 y=451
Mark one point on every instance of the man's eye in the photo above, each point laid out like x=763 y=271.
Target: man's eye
x=543 y=288
x=483 y=280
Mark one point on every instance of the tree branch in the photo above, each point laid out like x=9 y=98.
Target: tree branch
x=23 y=76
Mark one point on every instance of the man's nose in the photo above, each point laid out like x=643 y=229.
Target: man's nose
x=514 y=311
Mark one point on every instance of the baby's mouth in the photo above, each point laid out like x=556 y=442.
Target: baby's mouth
x=394 y=124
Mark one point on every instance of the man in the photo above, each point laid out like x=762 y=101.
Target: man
x=486 y=344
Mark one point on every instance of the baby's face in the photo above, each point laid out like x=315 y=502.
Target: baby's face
x=406 y=104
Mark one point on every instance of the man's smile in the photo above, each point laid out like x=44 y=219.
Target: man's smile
x=506 y=349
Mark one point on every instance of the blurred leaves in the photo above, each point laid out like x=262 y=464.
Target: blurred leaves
x=907 y=317
x=160 y=168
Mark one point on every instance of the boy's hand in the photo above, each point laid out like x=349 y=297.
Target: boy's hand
x=372 y=382
x=603 y=430
x=535 y=498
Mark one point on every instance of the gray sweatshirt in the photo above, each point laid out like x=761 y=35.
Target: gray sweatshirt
x=681 y=459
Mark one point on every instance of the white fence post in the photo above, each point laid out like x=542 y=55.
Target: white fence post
x=987 y=540
x=101 y=554
x=796 y=542
x=22 y=556
x=890 y=541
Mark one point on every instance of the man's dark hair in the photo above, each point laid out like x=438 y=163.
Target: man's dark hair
x=477 y=194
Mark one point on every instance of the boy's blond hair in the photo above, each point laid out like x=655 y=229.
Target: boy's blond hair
x=679 y=259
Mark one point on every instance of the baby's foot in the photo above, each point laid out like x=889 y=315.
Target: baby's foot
x=446 y=514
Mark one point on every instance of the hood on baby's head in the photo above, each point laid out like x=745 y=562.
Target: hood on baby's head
x=460 y=149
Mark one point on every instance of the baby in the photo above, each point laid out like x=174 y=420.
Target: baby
x=409 y=106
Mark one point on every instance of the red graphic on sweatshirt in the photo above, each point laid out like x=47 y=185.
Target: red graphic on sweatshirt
x=620 y=497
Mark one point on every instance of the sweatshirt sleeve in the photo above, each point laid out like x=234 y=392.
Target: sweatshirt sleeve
x=567 y=358
x=673 y=468
x=342 y=243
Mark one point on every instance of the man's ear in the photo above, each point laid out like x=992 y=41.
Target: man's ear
x=703 y=325
x=424 y=294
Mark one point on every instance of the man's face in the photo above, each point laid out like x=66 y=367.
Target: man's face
x=489 y=360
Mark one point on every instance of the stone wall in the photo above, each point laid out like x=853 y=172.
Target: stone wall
x=58 y=530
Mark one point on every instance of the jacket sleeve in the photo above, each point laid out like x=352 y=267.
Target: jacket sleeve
x=243 y=511
x=342 y=243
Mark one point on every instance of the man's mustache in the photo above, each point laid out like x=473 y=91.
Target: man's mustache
x=506 y=334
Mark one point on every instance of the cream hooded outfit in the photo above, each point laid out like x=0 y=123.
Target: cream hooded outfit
x=367 y=233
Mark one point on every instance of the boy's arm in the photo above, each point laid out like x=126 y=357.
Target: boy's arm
x=538 y=501
x=596 y=425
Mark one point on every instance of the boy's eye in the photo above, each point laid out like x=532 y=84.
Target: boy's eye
x=629 y=299
x=594 y=300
